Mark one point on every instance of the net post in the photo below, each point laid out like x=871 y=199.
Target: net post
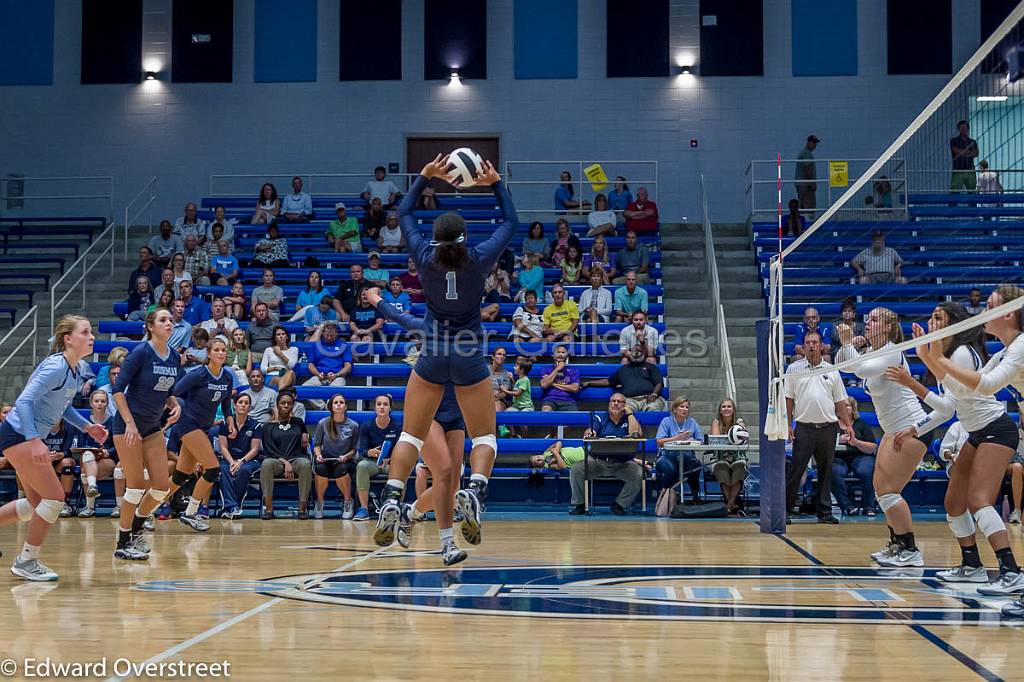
x=772 y=452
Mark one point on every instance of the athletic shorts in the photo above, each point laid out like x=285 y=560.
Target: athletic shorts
x=146 y=429
x=335 y=468
x=9 y=437
x=1000 y=431
x=455 y=363
x=449 y=425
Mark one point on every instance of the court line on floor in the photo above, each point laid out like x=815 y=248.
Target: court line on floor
x=929 y=636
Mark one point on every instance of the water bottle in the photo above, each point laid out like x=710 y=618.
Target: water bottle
x=302 y=358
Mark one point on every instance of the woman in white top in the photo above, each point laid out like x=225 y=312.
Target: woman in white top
x=178 y=266
x=975 y=478
x=390 y=239
x=279 y=360
x=897 y=408
x=268 y=206
x=528 y=320
x=601 y=220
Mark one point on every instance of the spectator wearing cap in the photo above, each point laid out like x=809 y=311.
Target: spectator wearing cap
x=297 y=207
x=390 y=239
x=806 y=174
x=381 y=188
x=878 y=264
x=343 y=232
x=374 y=274
x=329 y=363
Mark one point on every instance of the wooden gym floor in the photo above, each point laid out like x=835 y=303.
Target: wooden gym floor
x=543 y=598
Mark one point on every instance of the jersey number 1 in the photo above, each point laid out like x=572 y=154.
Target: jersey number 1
x=452 y=294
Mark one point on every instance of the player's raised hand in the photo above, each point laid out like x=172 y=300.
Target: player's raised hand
x=487 y=174
x=438 y=168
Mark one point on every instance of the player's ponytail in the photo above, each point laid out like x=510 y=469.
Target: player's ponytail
x=450 y=240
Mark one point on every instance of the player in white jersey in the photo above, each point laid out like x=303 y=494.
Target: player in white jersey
x=975 y=478
x=897 y=408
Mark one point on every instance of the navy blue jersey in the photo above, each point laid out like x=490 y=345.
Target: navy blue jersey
x=240 y=445
x=453 y=297
x=59 y=440
x=203 y=393
x=604 y=427
x=84 y=440
x=147 y=379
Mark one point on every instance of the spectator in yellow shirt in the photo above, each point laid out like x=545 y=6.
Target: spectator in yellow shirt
x=562 y=317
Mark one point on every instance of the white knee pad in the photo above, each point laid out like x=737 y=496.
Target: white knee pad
x=88 y=456
x=962 y=526
x=158 y=495
x=989 y=521
x=49 y=510
x=412 y=440
x=134 y=495
x=118 y=474
x=489 y=440
x=24 y=510
x=889 y=500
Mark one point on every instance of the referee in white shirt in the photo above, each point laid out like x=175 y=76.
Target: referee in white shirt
x=818 y=407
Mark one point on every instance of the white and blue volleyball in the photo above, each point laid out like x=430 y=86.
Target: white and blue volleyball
x=464 y=165
x=738 y=435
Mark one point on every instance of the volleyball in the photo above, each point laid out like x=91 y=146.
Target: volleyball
x=463 y=166
x=738 y=435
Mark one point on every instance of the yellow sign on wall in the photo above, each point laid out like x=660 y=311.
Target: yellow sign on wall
x=838 y=173
x=594 y=173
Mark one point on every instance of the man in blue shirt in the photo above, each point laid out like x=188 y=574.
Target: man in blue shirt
x=196 y=310
x=615 y=423
x=329 y=363
x=316 y=317
x=297 y=207
x=181 y=334
x=812 y=323
x=629 y=299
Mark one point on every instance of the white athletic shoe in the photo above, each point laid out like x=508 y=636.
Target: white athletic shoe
x=903 y=557
x=86 y=512
x=884 y=553
x=116 y=513
x=405 y=524
x=349 y=511
x=451 y=554
x=318 y=510
x=470 y=506
x=130 y=553
x=1007 y=584
x=963 y=574
x=150 y=523
x=194 y=522
x=384 y=533
x=92 y=493
x=66 y=511
x=34 y=571
x=1015 y=516
x=140 y=543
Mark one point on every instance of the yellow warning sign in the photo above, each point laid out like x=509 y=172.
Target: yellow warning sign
x=594 y=173
x=838 y=173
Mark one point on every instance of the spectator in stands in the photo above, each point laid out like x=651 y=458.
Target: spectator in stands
x=236 y=302
x=561 y=316
x=629 y=299
x=228 y=224
x=297 y=207
x=181 y=333
x=881 y=193
x=615 y=423
x=260 y=332
x=268 y=206
x=140 y=299
x=189 y=224
x=530 y=277
x=806 y=174
x=811 y=323
x=599 y=259
x=596 y=302
x=855 y=456
x=115 y=357
x=564 y=238
x=317 y=316
x=497 y=287
x=239 y=359
x=878 y=264
x=329 y=363
x=98 y=462
x=347 y=296
x=561 y=385
x=197 y=354
x=285 y=441
x=58 y=442
x=793 y=223
x=501 y=380
x=634 y=258
x=365 y=321
x=343 y=232
x=270 y=294
x=396 y=296
x=381 y=188
x=166 y=300
x=535 y=242
x=988 y=181
x=196 y=309
x=279 y=360
x=272 y=250
x=679 y=426
x=214 y=239
x=263 y=397
x=521 y=399
x=572 y=267
x=638 y=336
x=528 y=319
x=310 y=296
x=391 y=240
x=729 y=467
x=147 y=268
x=639 y=380
x=602 y=219
x=428 y=200
x=178 y=268
x=371 y=451
x=219 y=325
x=224 y=266
x=165 y=245
x=374 y=274
x=847 y=316
x=373 y=220
x=964 y=150
x=411 y=283
x=239 y=457
x=197 y=262
x=167 y=283
x=565 y=195
x=489 y=311
x=974 y=304
x=334 y=455
x=620 y=197
x=642 y=215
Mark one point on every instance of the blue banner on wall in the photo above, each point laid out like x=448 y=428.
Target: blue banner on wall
x=824 y=37
x=545 y=39
x=26 y=50
x=286 y=41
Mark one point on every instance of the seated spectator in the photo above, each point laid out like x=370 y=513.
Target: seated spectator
x=596 y=302
x=988 y=180
x=334 y=456
x=411 y=283
x=224 y=266
x=528 y=320
x=634 y=258
x=639 y=380
x=561 y=385
x=564 y=238
x=629 y=299
x=375 y=275
x=381 y=188
x=572 y=267
x=600 y=260
x=279 y=360
x=641 y=215
x=855 y=456
x=214 y=239
x=343 y=232
x=793 y=223
x=615 y=423
x=365 y=321
x=167 y=283
x=310 y=296
x=115 y=357
x=521 y=400
x=501 y=380
x=602 y=219
x=165 y=245
x=140 y=299
x=881 y=193
x=268 y=206
x=497 y=286
x=376 y=438
x=347 y=295
x=848 y=316
x=285 y=441
x=99 y=461
x=558 y=457
x=561 y=317
x=729 y=467
x=811 y=323
x=264 y=398
x=181 y=332
x=391 y=240
x=189 y=224
x=565 y=195
x=396 y=296
x=219 y=325
x=196 y=309
x=878 y=264
x=329 y=363
x=236 y=302
x=239 y=457
x=166 y=300
x=147 y=268
x=260 y=332
x=373 y=220
x=536 y=243
x=181 y=273
x=679 y=426
x=270 y=294
x=317 y=316
x=428 y=200
x=197 y=353
x=228 y=225
x=239 y=359
x=272 y=250
x=620 y=197
x=530 y=277
x=297 y=207
x=58 y=442
x=974 y=305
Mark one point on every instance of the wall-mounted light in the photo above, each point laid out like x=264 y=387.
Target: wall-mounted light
x=993 y=98
x=151 y=75
x=685 y=70
x=454 y=81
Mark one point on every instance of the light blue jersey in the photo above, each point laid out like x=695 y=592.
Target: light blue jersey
x=47 y=399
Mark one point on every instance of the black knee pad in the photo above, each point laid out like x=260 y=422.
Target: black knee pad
x=179 y=478
x=212 y=474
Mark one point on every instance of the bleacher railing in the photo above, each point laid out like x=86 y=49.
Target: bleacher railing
x=30 y=333
x=533 y=183
x=87 y=261
x=315 y=184
x=722 y=332
x=132 y=212
x=72 y=195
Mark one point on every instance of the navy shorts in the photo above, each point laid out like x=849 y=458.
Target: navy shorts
x=146 y=429
x=456 y=424
x=452 y=363
x=1001 y=431
x=9 y=437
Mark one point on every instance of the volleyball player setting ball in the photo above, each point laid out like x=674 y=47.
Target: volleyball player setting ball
x=452 y=276
x=44 y=402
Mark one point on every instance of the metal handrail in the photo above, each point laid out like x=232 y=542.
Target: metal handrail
x=724 y=355
x=308 y=180
x=109 y=195
x=580 y=182
x=33 y=334
x=150 y=186
x=87 y=264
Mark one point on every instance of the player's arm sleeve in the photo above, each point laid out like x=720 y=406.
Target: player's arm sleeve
x=393 y=314
x=226 y=404
x=414 y=239
x=186 y=383
x=942 y=409
x=492 y=247
x=129 y=369
x=74 y=418
x=1011 y=364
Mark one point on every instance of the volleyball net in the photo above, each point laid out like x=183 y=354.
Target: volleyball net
x=946 y=220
